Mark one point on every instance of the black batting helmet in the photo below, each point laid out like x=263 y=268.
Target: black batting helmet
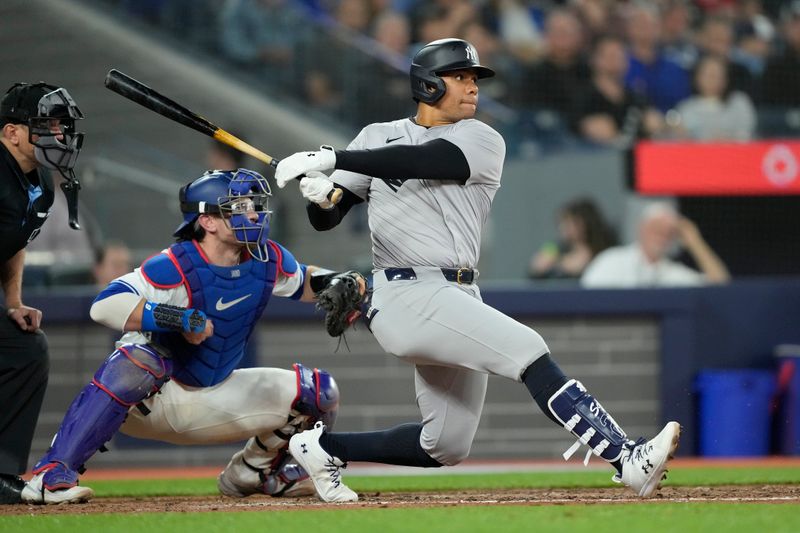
x=441 y=56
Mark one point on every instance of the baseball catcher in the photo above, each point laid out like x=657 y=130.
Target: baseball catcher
x=187 y=314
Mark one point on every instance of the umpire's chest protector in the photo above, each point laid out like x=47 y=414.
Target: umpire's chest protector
x=232 y=297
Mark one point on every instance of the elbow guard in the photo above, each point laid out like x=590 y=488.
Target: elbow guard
x=162 y=317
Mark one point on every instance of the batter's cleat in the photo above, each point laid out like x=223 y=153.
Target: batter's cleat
x=56 y=484
x=240 y=480
x=644 y=463
x=324 y=469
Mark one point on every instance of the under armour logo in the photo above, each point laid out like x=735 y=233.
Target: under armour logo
x=647 y=466
x=472 y=55
x=305 y=450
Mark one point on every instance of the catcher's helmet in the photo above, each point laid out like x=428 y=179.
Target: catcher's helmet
x=234 y=195
x=442 y=56
x=36 y=105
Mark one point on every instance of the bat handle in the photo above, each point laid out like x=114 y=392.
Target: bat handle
x=334 y=196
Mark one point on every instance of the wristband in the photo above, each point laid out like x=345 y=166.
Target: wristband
x=163 y=317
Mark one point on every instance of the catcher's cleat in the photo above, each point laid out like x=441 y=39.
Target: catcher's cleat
x=323 y=468
x=644 y=464
x=240 y=480
x=55 y=484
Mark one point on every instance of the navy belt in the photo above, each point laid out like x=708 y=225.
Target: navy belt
x=457 y=275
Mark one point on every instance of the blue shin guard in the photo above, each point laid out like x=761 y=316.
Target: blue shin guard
x=129 y=375
x=584 y=417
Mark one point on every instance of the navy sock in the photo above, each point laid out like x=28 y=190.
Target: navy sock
x=543 y=379
x=396 y=446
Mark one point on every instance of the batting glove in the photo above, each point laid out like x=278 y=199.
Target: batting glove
x=304 y=162
x=316 y=187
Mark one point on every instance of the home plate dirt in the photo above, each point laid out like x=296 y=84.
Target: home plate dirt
x=176 y=504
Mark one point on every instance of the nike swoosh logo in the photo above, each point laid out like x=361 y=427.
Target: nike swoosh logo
x=388 y=140
x=221 y=306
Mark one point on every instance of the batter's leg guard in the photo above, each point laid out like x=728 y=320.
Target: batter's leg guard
x=263 y=466
x=584 y=417
x=129 y=375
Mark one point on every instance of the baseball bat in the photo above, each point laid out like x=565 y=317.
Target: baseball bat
x=143 y=95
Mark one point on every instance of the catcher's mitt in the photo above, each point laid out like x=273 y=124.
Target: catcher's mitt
x=341 y=300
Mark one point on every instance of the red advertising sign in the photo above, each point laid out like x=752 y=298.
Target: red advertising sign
x=718 y=169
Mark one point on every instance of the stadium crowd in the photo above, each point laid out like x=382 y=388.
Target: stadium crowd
x=605 y=71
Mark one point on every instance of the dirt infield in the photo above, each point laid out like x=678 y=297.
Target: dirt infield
x=174 y=504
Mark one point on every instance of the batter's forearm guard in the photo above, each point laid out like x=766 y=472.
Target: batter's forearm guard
x=163 y=317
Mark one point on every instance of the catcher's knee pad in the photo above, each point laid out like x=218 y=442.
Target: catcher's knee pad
x=132 y=373
x=584 y=417
x=317 y=395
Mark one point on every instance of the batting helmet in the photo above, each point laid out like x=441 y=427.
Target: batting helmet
x=234 y=195
x=441 y=56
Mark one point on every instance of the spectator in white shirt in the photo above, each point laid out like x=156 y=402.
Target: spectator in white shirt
x=646 y=262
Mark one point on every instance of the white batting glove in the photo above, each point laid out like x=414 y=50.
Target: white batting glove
x=304 y=162
x=315 y=188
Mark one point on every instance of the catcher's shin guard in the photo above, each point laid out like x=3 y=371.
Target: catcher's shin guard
x=317 y=395
x=584 y=417
x=127 y=376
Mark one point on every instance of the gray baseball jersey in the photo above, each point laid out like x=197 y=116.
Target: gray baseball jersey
x=429 y=222
x=454 y=340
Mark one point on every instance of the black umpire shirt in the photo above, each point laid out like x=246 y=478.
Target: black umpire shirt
x=25 y=201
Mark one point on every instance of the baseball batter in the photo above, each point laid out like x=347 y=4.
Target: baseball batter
x=429 y=181
x=187 y=314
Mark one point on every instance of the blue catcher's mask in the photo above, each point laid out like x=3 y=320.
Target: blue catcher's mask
x=241 y=197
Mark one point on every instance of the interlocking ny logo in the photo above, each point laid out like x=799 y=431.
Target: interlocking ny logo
x=472 y=55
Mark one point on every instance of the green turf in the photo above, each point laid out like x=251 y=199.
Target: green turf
x=632 y=518
x=581 y=478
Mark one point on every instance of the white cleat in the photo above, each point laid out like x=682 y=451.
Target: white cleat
x=35 y=491
x=323 y=469
x=644 y=464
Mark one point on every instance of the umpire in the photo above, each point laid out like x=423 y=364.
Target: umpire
x=38 y=133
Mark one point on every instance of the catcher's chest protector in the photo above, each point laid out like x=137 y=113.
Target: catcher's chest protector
x=232 y=297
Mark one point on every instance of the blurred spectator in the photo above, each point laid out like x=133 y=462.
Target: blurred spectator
x=517 y=30
x=716 y=112
x=716 y=38
x=781 y=82
x=599 y=17
x=645 y=263
x=752 y=50
x=562 y=75
x=262 y=35
x=650 y=74
x=676 y=33
x=383 y=91
x=609 y=113
x=223 y=157
x=440 y=19
x=328 y=81
x=583 y=233
x=111 y=261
